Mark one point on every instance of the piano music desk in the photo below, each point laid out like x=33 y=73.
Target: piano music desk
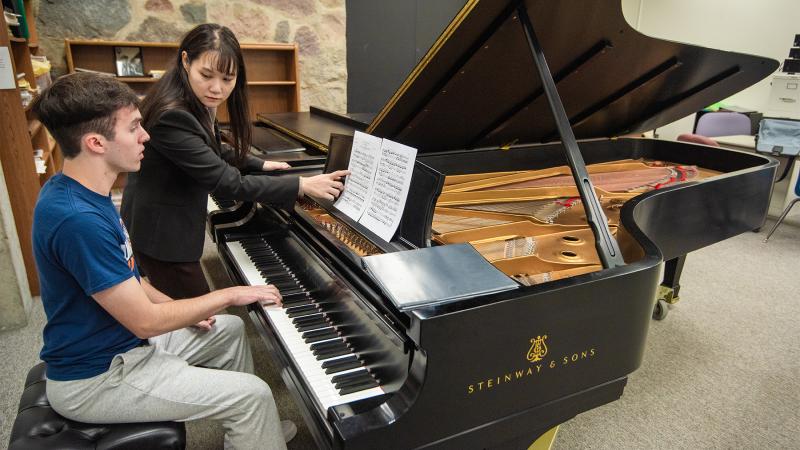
x=783 y=192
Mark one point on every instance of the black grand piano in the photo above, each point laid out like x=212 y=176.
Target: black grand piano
x=519 y=113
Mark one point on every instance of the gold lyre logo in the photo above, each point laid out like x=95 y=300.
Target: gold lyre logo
x=538 y=349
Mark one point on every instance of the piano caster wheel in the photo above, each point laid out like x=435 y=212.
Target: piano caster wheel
x=661 y=310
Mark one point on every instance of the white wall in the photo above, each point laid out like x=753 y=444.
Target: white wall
x=758 y=27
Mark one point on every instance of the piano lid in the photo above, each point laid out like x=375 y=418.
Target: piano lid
x=477 y=86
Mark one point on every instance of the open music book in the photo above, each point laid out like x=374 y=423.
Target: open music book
x=435 y=275
x=375 y=191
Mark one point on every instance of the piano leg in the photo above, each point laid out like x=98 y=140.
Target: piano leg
x=670 y=287
x=545 y=441
x=541 y=441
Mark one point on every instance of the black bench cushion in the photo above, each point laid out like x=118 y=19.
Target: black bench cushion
x=38 y=426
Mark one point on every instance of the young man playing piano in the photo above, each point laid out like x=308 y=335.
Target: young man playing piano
x=117 y=349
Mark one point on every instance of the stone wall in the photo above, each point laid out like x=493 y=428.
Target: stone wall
x=317 y=26
x=15 y=295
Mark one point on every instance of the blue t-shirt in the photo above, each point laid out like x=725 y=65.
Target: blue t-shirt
x=81 y=248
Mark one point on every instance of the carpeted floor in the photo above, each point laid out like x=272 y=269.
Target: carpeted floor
x=721 y=371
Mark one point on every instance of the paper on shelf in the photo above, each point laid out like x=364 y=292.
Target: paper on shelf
x=6 y=70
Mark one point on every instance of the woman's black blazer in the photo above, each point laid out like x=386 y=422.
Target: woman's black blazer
x=164 y=204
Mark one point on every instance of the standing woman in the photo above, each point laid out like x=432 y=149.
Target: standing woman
x=164 y=204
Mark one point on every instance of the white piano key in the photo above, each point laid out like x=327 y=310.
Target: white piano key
x=248 y=269
x=212 y=205
x=320 y=382
x=323 y=389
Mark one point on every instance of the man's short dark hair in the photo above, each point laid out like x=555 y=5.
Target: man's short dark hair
x=81 y=103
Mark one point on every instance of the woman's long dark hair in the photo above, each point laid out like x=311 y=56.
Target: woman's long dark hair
x=173 y=89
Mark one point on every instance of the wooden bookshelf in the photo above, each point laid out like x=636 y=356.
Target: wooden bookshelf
x=272 y=81
x=20 y=135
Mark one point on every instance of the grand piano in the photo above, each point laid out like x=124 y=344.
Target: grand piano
x=519 y=113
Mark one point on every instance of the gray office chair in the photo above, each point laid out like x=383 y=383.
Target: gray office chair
x=785 y=211
x=722 y=124
x=780 y=137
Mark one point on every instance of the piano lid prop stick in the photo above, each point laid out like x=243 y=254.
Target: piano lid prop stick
x=607 y=247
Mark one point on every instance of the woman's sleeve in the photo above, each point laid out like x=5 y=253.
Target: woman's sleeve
x=179 y=137
x=251 y=163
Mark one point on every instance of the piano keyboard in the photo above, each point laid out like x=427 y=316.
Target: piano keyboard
x=215 y=204
x=328 y=364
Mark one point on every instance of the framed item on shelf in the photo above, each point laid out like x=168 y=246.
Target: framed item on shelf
x=128 y=61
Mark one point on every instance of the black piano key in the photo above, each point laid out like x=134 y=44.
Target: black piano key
x=279 y=281
x=338 y=352
x=295 y=311
x=347 y=376
x=363 y=382
x=305 y=292
x=315 y=333
x=263 y=256
x=327 y=352
x=293 y=303
x=280 y=278
x=312 y=326
x=319 y=335
x=270 y=274
x=267 y=261
x=326 y=344
x=340 y=361
x=309 y=318
x=296 y=296
x=288 y=292
x=360 y=387
x=353 y=378
x=271 y=270
x=342 y=367
x=283 y=286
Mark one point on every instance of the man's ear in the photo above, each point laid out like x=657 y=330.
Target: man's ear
x=94 y=143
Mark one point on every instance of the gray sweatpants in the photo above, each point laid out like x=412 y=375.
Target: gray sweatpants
x=160 y=382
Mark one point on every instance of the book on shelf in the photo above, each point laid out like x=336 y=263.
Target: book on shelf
x=105 y=74
x=14 y=11
x=12 y=20
x=435 y=275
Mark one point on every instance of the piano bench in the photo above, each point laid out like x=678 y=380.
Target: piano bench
x=38 y=426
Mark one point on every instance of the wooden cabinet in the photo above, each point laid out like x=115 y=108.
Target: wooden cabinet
x=20 y=136
x=272 y=81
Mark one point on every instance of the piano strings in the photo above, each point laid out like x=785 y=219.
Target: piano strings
x=448 y=223
x=510 y=216
x=480 y=218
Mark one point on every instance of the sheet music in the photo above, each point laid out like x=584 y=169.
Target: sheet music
x=357 y=187
x=375 y=192
x=390 y=190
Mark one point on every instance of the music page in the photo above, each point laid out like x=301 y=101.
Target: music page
x=357 y=187
x=375 y=191
x=390 y=189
